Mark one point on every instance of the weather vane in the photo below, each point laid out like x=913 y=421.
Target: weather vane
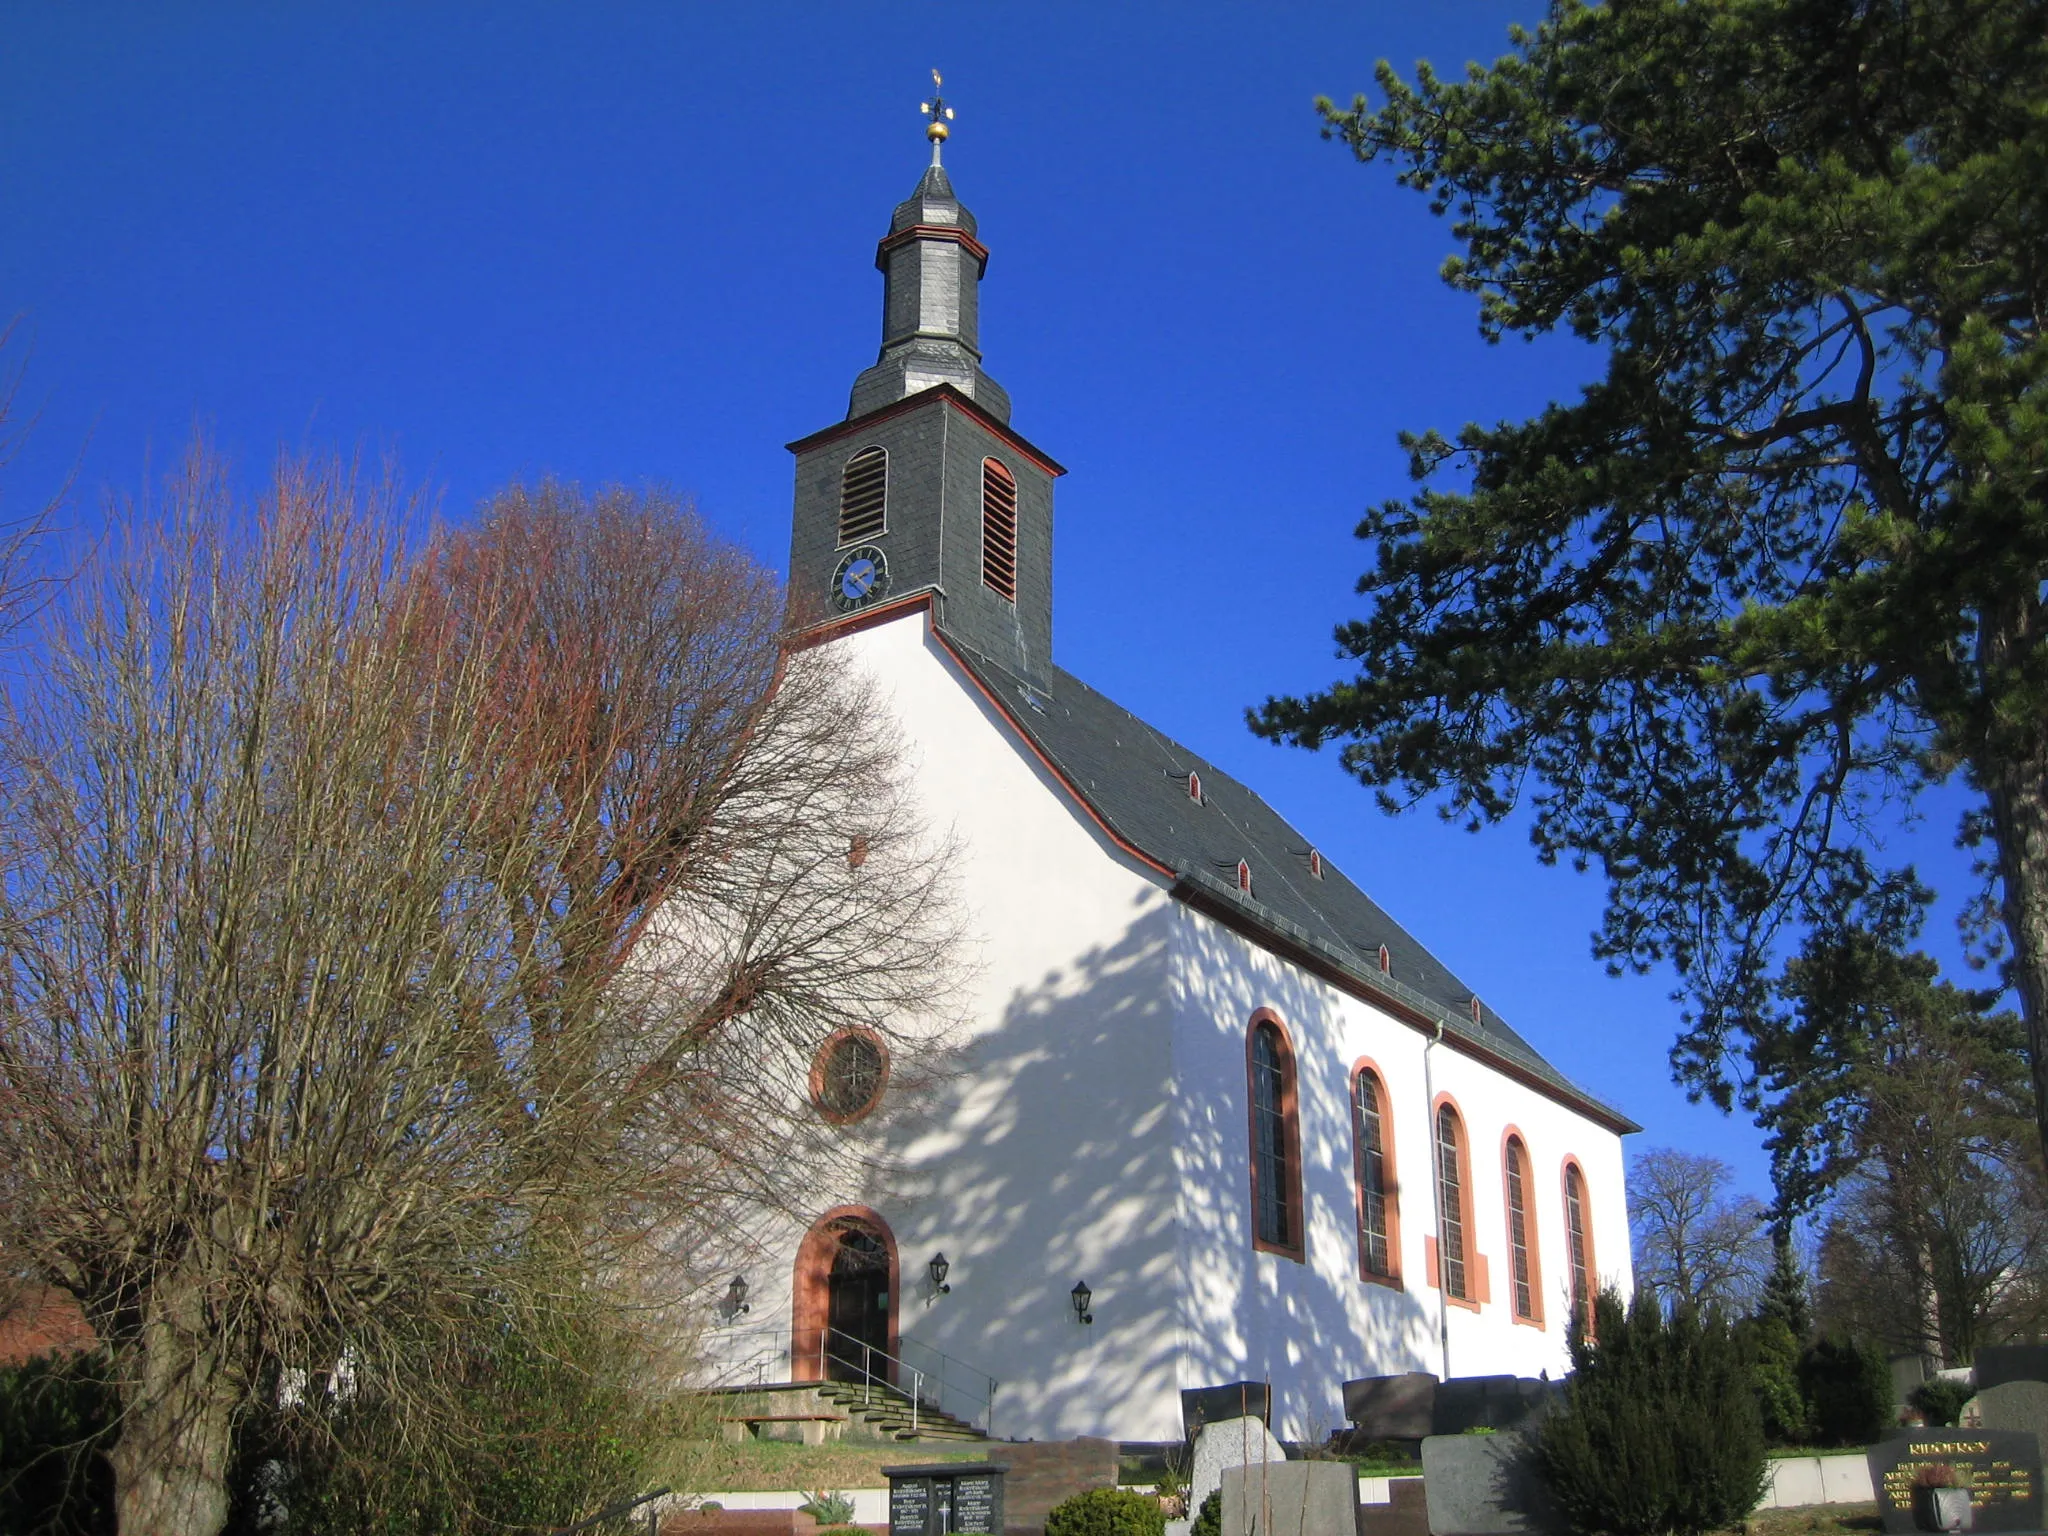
x=940 y=115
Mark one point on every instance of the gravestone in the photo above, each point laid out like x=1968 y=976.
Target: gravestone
x=1231 y=1443
x=1209 y=1405
x=1301 y=1498
x=2019 y=1405
x=2004 y=1467
x=1484 y=1485
x=2000 y=1363
x=946 y=1498
x=1392 y=1407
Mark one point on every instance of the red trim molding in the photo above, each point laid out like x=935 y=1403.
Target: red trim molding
x=1530 y=1228
x=811 y=1287
x=1290 y=1130
x=944 y=394
x=952 y=232
x=867 y=618
x=1365 y=1066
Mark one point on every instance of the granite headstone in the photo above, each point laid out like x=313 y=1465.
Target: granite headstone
x=1484 y=1485
x=1230 y=1443
x=2003 y=1465
x=1392 y=1407
x=2000 y=1363
x=1233 y=1400
x=1301 y=1498
x=2010 y=1405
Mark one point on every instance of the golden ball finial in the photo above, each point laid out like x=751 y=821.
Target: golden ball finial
x=936 y=132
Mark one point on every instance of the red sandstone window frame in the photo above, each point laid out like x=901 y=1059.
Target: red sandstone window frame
x=1477 y=1291
x=817 y=1075
x=999 y=529
x=1288 y=1112
x=1523 y=1244
x=1578 y=1246
x=1366 y=1069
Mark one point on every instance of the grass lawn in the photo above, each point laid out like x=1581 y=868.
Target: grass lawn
x=1815 y=1520
x=711 y=1466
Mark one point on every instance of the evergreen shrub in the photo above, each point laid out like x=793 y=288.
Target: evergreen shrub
x=1209 y=1518
x=55 y=1419
x=1108 y=1512
x=1774 y=1377
x=1848 y=1387
x=1659 y=1431
x=1942 y=1401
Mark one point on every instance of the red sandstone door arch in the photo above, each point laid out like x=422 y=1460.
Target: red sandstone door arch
x=844 y=1298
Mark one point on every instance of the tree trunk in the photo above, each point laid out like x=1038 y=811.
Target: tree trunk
x=177 y=1422
x=2017 y=791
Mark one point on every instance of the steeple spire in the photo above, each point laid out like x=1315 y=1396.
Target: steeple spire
x=931 y=314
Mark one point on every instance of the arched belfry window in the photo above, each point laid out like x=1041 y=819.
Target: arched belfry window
x=1372 y=1143
x=1578 y=1233
x=1276 y=1140
x=1452 y=1187
x=999 y=530
x=1522 y=1259
x=864 y=496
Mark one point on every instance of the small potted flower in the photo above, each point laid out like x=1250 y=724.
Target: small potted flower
x=1941 y=1497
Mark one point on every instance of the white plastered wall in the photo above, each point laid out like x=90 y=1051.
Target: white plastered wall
x=1094 y=1128
x=1045 y=1158
x=1309 y=1326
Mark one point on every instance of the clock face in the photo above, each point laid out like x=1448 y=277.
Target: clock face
x=863 y=576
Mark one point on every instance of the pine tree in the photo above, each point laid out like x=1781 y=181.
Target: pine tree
x=1784 y=1297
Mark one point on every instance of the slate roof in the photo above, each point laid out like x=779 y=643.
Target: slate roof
x=1136 y=781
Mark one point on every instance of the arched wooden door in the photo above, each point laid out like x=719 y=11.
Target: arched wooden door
x=845 y=1299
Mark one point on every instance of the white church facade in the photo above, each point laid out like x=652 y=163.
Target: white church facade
x=1216 y=1116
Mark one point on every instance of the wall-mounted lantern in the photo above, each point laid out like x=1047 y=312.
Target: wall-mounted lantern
x=1080 y=1295
x=736 y=1297
x=938 y=1266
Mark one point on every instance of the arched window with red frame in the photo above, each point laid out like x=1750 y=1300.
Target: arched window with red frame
x=1578 y=1238
x=1277 y=1225
x=1455 y=1264
x=1524 y=1265
x=1379 y=1206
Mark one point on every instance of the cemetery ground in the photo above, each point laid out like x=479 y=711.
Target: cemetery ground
x=1814 y=1520
x=712 y=1466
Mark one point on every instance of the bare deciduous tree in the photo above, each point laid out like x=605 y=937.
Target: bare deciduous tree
x=1694 y=1245
x=384 y=940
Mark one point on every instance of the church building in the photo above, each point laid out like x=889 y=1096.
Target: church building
x=1217 y=1116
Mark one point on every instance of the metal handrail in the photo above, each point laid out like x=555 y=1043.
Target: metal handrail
x=753 y=1355
x=869 y=1354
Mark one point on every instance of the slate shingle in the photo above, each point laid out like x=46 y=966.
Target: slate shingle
x=1136 y=779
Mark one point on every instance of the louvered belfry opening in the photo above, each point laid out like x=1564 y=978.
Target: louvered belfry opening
x=999 y=530
x=864 y=496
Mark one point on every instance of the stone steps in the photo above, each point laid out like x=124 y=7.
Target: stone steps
x=888 y=1412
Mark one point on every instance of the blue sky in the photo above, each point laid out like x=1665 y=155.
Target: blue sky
x=635 y=243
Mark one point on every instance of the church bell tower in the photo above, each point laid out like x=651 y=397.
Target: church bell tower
x=923 y=492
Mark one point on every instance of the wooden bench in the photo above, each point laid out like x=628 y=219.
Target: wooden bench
x=812 y=1428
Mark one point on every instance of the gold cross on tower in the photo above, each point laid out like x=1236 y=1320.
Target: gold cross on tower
x=940 y=115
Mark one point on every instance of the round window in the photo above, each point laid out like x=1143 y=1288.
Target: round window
x=848 y=1075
